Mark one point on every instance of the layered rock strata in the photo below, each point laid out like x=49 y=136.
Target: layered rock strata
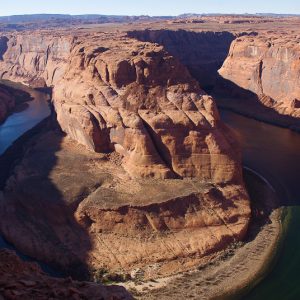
x=97 y=215
x=203 y=53
x=34 y=58
x=136 y=99
x=156 y=184
x=267 y=65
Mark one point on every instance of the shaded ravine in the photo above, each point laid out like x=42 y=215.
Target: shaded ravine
x=274 y=153
x=14 y=132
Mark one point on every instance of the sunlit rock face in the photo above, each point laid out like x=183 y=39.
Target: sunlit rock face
x=34 y=58
x=267 y=65
x=135 y=98
x=146 y=165
x=203 y=52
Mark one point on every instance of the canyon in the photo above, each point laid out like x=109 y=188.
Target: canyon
x=144 y=122
x=253 y=70
x=136 y=174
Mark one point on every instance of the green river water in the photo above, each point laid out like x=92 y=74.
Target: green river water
x=274 y=153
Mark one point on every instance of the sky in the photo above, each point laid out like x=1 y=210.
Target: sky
x=148 y=7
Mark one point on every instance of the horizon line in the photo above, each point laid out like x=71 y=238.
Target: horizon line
x=147 y=15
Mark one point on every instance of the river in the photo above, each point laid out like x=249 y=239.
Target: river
x=14 y=127
x=18 y=123
x=274 y=152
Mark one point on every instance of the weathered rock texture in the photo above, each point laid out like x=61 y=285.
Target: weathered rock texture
x=24 y=280
x=162 y=187
x=72 y=207
x=33 y=58
x=136 y=99
x=268 y=65
x=203 y=53
x=260 y=70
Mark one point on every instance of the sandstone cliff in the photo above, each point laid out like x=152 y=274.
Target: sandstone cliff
x=136 y=99
x=157 y=184
x=75 y=209
x=268 y=65
x=34 y=58
x=203 y=52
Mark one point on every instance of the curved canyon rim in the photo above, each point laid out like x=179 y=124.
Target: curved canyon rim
x=135 y=178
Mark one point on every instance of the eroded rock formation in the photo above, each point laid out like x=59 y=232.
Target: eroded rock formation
x=34 y=58
x=157 y=184
x=268 y=65
x=261 y=69
x=72 y=207
x=203 y=53
x=138 y=100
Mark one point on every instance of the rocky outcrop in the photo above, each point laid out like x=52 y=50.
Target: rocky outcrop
x=260 y=67
x=136 y=99
x=9 y=99
x=203 y=53
x=267 y=65
x=156 y=183
x=34 y=58
x=74 y=208
x=24 y=280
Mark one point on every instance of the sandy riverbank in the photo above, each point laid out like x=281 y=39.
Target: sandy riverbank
x=233 y=272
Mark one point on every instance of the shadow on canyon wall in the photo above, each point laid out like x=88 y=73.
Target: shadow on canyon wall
x=203 y=53
x=263 y=202
x=3 y=46
x=46 y=227
x=231 y=96
x=34 y=216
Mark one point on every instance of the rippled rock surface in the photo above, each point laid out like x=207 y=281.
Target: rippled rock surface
x=147 y=176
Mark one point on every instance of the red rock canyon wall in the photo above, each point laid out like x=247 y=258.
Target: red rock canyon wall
x=143 y=118
x=268 y=65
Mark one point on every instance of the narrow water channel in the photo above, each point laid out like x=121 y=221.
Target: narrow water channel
x=275 y=153
x=20 y=122
x=14 y=127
